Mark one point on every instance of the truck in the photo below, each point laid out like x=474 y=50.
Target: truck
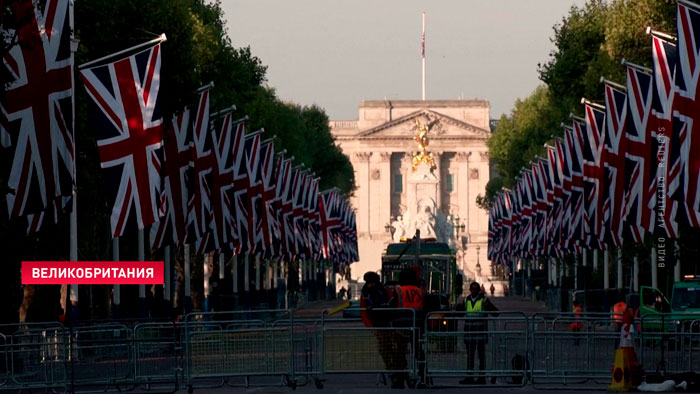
x=437 y=265
x=658 y=313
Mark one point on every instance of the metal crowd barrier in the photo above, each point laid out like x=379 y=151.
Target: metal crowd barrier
x=450 y=338
x=572 y=350
x=223 y=346
x=261 y=348
x=34 y=356
x=349 y=347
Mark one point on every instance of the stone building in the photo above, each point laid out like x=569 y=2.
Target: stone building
x=395 y=196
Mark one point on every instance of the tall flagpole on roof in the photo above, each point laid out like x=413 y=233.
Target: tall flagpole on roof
x=422 y=52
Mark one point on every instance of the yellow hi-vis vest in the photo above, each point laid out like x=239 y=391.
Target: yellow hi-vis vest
x=473 y=308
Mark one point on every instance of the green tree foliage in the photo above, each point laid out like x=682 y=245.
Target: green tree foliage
x=589 y=43
x=198 y=51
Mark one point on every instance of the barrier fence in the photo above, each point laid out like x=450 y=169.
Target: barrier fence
x=256 y=348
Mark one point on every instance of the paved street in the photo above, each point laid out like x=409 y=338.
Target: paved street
x=355 y=384
x=370 y=383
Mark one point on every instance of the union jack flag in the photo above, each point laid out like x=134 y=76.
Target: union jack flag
x=687 y=104
x=516 y=222
x=266 y=227
x=638 y=215
x=565 y=223
x=315 y=240
x=177 y=182
x=525 y=197
x=129 y=127
x=556 y=177
x=507 y=203
x=614 y=162
x=593 y=173
x=301 y=189
x=288 y=189
x=665 y=173
x=283 y=205
x=543 y=203
x=198 y=206
x=221 y=178
x=245 y=188
x=574 y=159
x=328 y=205
x=36 y=113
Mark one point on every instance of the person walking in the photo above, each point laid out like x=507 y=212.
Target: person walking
x=576 y=325
x=475 y=331
x=342 y=293
x=493 y=289
x=373 y=297
x=407 y=295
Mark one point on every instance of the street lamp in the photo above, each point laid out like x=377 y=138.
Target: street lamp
x=478 y=266
x=389 y=228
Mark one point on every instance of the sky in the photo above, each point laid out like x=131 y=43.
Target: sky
x=336 y=53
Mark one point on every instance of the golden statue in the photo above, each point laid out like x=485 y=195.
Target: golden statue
x=422 y=139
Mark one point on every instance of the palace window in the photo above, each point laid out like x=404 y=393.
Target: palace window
x=398 y=183
x=450 y=183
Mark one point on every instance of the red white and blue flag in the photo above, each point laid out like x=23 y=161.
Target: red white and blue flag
x=129 y=125
x=665 y=170
x=614 y=162
x=593 y=176
x=686 y=107
x=36 y=121
x=639 y=218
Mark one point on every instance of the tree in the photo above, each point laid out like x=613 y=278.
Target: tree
x=589 y=43
x=198 y=51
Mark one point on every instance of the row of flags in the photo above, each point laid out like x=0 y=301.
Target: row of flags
x=627 y=168
x=198 y=177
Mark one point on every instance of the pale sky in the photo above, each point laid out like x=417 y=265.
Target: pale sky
x=336 y=53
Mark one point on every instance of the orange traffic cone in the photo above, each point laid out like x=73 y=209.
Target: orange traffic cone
x=626 y=371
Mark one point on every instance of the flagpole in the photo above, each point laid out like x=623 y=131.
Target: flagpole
x=161 y=38
x=166 y=276
x=116 y=290
x=423 y=54
x=73 y=243
x=222 y=266
x=186 y=273
x=142 y=288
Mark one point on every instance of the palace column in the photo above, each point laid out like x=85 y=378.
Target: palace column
x=437 y=158
x=384 y=183
x=360 y=162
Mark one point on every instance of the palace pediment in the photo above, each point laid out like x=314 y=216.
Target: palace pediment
x=441 y=127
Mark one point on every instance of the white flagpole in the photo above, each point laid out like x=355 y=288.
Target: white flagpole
x=208 y=259
x=161 y=38
x=423 y=54
x=73 y=245
x=188 y=292
x=116 y=296
x=166 y=276
x=222 y=266
x=246 y=273
x=257 y=272
x=142 y=288
x=234 y=273
x=606 y=268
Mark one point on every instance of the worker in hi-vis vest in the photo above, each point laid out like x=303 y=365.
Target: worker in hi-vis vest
x=475 y=330
x=407 y=295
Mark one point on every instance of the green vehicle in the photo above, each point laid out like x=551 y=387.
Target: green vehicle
x=438 y=268
x=657 y=312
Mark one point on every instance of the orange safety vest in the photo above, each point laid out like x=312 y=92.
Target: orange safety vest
x=409 y=297
x=576 y=324
x=619 y=310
